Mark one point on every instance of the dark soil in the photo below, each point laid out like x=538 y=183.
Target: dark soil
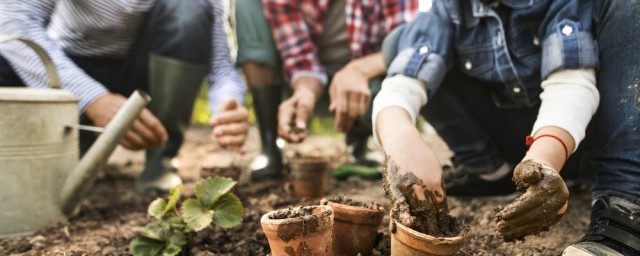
x=291 y=212
x=112 y=211
x=355 y=203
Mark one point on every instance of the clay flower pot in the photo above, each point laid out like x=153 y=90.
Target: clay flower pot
x=292 y=233
x=406 y=241
x=310 y=175
x=355 y=226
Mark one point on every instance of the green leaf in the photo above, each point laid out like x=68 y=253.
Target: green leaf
x=171 y=250
x=141 y=246
x=178 y=239
x=155 y=230
x=156 y=208
x=210 y=190
x=175 y=222
x=195 y=215
x=227 y=212
x=174 y=196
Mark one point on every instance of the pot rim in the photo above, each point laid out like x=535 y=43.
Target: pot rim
x=327 y=211
x=308 y=160
x=358 y=209
x=424 y=237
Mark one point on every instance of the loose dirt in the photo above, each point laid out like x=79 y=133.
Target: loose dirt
x=112 y=211
x=291 y=212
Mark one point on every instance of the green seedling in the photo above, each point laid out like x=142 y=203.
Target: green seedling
x=171 y=230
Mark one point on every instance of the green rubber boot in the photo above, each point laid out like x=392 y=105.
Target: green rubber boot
x=174 y=85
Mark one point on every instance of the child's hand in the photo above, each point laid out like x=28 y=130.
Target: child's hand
x=537 y=209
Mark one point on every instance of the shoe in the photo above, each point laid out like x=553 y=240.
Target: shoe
x=612 y=232
x=160 y=182
x=268 y=165
x=459 y=181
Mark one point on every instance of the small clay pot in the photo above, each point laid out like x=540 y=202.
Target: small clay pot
x=406 y=241
x=302 y=235
x=354 y=228
x=309 y=176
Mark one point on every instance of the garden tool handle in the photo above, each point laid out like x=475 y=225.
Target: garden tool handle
x=52 y=73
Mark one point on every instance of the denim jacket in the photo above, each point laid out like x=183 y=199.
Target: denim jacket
x=512 y=44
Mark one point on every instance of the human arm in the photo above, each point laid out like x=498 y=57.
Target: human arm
x=28 y=19
x=349 y=90
x=569 y=100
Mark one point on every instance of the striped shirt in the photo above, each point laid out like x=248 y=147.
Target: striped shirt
x=96 y=28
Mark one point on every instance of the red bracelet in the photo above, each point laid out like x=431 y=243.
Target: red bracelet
x=529 y=140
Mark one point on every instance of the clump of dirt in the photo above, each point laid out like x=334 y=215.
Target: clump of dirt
x=291 y=212
x=427 y=215
x=351 y=202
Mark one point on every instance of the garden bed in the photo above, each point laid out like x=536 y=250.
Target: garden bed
x=112 y=211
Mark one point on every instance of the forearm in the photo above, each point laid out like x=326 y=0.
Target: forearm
x=392 y=122
x=370 y=66
x=569 y=100
x=310 y=86
x=27 y=19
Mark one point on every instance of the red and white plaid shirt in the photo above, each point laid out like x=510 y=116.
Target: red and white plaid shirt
x=298 y=24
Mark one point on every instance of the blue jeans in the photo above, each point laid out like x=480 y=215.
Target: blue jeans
x=180 y=30
x=483 y=135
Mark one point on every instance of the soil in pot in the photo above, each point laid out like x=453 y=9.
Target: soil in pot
x=355 y=225
x=309 y=175
x=299 y=231
x=419 y=226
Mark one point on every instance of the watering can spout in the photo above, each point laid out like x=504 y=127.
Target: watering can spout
x=82 y=176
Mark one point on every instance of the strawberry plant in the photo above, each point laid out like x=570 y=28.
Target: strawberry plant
x=171 y=230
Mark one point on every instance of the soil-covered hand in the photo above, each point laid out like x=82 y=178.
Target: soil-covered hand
x=230 y=125
x=146 y=131
x=542 y=204
x=295 y=112
x=350 y=96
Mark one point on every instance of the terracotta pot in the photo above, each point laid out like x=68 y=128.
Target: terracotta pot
x=310 y=176
x=354 y=228
x=406 y=241
x=308 y=235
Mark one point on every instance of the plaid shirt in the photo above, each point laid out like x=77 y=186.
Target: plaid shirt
x=297 y=24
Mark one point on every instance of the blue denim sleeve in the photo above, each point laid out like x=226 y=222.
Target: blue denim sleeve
x=425 y=47
x=568 y=38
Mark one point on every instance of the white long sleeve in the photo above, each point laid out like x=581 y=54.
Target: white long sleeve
x=399 y=91
x=569 y=100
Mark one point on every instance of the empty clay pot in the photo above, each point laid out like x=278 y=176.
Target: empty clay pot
x=354 y=227
x=309 y=175
x=299 y=235
x=406 y=241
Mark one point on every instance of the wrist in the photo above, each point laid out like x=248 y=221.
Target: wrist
x=308 y=88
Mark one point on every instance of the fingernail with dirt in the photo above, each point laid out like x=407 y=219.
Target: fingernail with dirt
x=299 y=230
x=420 y=224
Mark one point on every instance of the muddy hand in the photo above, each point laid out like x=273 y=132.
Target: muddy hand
x=542 y=204
x=416 y=205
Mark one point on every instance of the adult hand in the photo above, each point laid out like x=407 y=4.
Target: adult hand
x=542 y=204
x=413 y=174
x=230 y=125
x=350 y=96
x=295 y=112
x=146 y=131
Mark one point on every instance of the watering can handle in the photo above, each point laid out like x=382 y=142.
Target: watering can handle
x=52 y=74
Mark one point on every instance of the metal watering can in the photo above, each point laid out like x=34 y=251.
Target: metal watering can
x=41 y=178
